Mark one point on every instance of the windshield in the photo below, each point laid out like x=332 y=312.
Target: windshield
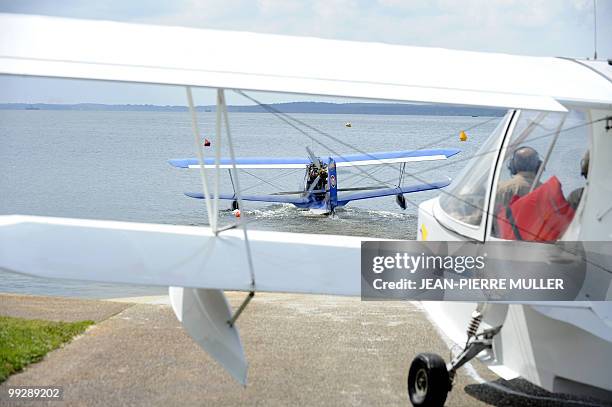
x=465 y=198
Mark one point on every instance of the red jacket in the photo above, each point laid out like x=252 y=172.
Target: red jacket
x=542 y=215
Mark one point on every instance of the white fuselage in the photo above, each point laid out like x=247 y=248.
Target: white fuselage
x=560 y=346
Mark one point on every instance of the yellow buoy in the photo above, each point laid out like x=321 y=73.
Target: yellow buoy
x=463 y=136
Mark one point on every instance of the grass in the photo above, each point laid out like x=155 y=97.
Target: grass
x=25 y=341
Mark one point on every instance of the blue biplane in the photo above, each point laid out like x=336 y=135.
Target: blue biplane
x=321 y=194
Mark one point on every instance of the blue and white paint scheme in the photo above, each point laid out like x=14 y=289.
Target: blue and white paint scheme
x=349 y=160
x=326 y=196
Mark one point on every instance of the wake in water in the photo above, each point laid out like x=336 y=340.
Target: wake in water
x=347 y=221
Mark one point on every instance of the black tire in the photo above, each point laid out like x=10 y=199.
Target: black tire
x=235 y=205
x=428 y=381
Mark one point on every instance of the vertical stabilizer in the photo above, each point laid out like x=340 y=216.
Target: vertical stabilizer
x=332 y=184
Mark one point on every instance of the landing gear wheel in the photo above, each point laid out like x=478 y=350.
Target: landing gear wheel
x=428 y=381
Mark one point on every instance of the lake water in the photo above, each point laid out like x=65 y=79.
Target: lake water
x=113 y=165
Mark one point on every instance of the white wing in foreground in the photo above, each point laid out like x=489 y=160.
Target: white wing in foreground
x=185 y=256
x=104 y=50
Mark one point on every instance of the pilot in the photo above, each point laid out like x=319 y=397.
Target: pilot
x=323 y=180
x=523 y=167
x=312 y=175
x=575 y=196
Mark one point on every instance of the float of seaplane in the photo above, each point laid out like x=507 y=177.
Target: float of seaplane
x=558 y=110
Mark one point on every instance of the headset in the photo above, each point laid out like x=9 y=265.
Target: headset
x=531 y=164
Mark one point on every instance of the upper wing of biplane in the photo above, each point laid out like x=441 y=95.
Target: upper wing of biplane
x=348 y=160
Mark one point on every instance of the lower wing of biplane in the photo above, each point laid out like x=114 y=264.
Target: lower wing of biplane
x=306 y=201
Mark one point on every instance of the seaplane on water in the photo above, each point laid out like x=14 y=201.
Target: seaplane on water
x=560 y=346
x=321 y=194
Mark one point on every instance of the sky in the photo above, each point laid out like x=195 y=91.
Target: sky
x=524 y=27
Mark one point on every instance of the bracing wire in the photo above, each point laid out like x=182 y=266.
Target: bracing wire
x=200 y=152
x=360 y=171
x=288 y=119
x=241 y=221
x=486 y=152
x=265 y=181
x=485 y=211
x=282 y=117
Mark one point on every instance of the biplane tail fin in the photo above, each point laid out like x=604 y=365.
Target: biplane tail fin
x=332 y=181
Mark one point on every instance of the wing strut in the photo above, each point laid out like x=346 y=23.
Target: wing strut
x=221 y=106
x=222 y=120
x=200 y=152
x=205 y=313
x=244 y=304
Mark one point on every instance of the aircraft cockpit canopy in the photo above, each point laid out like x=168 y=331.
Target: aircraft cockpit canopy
x=529 y=177
x=465 y=198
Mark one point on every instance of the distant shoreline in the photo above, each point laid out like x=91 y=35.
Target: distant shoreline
x=292 y=107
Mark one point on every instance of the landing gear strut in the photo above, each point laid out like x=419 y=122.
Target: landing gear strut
x=430 y=379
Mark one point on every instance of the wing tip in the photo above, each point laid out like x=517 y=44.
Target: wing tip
x=179 y=162
x=452 y=151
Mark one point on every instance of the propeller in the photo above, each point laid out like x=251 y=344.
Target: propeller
x=315 y=160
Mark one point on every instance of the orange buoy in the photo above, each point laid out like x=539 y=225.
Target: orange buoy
x=237 y=213
x=463 y=136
